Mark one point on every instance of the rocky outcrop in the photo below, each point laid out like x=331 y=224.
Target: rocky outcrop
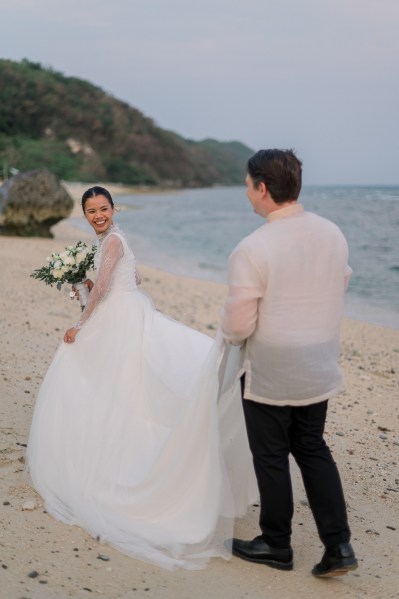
x=31 y=203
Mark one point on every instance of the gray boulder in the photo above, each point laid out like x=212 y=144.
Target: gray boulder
x=31 y=203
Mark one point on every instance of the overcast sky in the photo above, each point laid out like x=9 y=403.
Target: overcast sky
x=321 y=76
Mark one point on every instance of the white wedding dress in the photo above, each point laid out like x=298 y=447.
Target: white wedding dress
x=138 y=434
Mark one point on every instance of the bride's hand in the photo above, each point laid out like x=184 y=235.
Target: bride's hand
x=87 y=283
x=70 y=335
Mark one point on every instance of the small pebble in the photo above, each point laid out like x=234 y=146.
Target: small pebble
x=33 y=574
x=29 y=505
x=340 y=434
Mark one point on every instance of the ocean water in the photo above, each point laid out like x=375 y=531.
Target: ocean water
x=192 y=232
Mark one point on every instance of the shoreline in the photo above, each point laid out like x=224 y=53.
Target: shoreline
x=362 y=431
x=357 y=307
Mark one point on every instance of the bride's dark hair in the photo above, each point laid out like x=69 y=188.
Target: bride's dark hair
x=95 y=191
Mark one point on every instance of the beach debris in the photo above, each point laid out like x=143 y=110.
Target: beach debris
x=32 y=202
x=29 y=505
x=103 y=557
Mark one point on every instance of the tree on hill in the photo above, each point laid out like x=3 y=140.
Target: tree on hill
x=79 y=132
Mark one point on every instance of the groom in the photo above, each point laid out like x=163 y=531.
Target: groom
x=286 y=286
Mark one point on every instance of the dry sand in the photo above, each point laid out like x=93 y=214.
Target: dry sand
x=362 y=430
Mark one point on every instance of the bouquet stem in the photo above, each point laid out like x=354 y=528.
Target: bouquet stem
x=83 y=293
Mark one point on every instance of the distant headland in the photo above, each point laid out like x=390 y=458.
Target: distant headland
x=81 y=133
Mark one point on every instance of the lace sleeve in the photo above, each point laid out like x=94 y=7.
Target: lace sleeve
x=111 y=253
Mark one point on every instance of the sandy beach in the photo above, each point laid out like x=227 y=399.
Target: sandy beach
x=43 y=558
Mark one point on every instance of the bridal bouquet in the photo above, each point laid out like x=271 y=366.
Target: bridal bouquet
x=70 y=267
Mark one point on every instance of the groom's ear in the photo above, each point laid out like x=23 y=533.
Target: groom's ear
x=262 y=188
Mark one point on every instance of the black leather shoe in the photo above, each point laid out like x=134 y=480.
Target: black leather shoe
x=336 y=561
x=260 y=552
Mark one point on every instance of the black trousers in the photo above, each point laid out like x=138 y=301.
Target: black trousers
x=276 y=431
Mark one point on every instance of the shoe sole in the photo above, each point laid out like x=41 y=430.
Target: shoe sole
x=267 y=562
x=338 y=571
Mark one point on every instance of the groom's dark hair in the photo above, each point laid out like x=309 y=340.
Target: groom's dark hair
x=279 y=170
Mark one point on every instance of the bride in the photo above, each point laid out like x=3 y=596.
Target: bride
x=137 y=434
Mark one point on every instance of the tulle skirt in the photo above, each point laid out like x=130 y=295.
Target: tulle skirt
x=138 y=436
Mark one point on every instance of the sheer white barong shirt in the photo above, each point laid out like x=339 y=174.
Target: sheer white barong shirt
x=285 y=304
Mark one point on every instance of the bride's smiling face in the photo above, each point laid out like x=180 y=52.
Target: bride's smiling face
x=99 y=213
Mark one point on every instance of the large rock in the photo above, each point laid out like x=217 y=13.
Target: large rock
x=31 y=203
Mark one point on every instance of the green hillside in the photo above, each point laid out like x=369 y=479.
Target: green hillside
x=79 y=132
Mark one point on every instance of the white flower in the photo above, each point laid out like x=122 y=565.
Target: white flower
x=48 y=258
x=70 y=247
x=57 y=264
x=65 y=268
x=69 y=260
x=80 y=257
x=57 y=273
